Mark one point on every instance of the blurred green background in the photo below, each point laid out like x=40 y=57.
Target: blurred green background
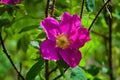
x=22 y=35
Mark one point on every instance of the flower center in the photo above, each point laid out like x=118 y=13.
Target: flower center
x=62 y=41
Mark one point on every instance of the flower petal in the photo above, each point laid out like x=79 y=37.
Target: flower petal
x=17 y=1
x=71 y=56
x=7 y=2
x=76 y=22
x=48 y=50
x=69 y=23
x=65 y=17
x=10 y=2
x=50 y=25
x=80 y=37
x=65 y=22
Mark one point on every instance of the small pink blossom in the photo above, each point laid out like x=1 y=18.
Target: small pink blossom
x=63 y=39
x=10 y=2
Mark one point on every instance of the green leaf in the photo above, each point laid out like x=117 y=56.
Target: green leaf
x=4 y=22
x=28 y=28
x=23 y=43
x=2 y=9
x=78 y=74
x=10 y=11
x=90 y=5
x=96 y=78
x=62 y=64
x=105 y=70
x=35 y=44
x=34 y=70
x=117 y=14
x=42 y=35
x=93 y=70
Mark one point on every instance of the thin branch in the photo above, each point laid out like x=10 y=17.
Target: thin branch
x=99 y=34
x=46 y=62
x=9 y=58
x=20 y=70
x=60 y=75
x=46 y=70
x=110 y=43
x=53 y=8
x=82 y=7
x=98 y=14
x=53 y=70
x=47 y=8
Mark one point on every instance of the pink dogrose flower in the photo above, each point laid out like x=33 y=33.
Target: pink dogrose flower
x=63 y=39
x=10 y=2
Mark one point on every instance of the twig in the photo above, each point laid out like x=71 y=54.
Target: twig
x=53 y=8
x=110 y=43
x=46 y=70
x=47 y=8
x=9 y=58
x=53 y=70
x=46 y=62
x=60 y=75
x=82 y=7
x=99 y=34
x=98 y=14
x=20 y=70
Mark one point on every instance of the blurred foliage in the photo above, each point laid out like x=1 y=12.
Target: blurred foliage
x=22 y=35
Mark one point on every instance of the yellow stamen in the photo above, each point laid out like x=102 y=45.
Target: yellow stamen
x=62 y=41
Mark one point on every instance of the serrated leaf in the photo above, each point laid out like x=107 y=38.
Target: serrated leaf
x=28 y=28
x=78 y=74
x=90 y=5
x=34 y=70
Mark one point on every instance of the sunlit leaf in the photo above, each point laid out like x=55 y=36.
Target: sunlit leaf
x=105 y=70
x=117 y=14
x=35 y=44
